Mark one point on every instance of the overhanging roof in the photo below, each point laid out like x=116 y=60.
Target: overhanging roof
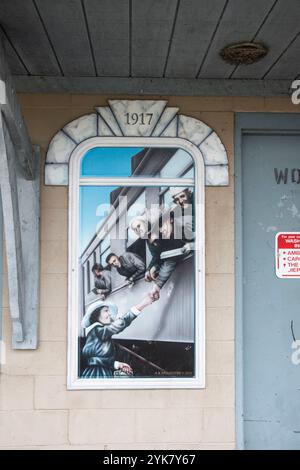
x=149 y=46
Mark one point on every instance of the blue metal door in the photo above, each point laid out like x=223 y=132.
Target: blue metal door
x=268 y=392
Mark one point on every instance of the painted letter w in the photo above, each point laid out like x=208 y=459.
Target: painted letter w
x=281 y=175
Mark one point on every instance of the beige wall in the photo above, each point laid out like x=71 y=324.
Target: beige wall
x=36 y=410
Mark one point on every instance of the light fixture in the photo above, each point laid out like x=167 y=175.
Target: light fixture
x=243 y=53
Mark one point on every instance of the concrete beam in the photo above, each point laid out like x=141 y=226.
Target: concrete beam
x=19 y=184
x=12 y=230
x=20 y=203
x=152 y=86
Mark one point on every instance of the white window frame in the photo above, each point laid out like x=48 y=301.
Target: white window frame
x=74 y=382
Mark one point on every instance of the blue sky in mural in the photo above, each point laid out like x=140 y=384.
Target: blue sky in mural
x=91 y=197
x=100 y=162
x=108 y=162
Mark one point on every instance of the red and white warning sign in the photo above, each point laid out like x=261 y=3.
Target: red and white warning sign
x=288 y=254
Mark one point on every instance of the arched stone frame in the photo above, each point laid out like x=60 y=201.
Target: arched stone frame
x=155 y=119
x=110 y=126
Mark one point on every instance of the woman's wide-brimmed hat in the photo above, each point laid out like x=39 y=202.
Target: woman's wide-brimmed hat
x=86 y=321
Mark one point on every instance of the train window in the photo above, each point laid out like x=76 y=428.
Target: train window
x=98 y=255
x=137 y=208
x=88 y=270
x=165 y=197
x=137 y=227
x=104 y=250
x=104 y=244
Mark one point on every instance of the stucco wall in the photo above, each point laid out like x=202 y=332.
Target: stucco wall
x=36 y=409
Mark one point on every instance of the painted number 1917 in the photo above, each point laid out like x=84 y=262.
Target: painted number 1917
x=143 y=119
